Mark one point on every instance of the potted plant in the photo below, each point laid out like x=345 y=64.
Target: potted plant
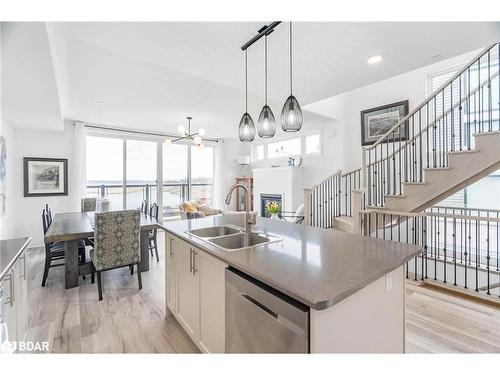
x=273 y=209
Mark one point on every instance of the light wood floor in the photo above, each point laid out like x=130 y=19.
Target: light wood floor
x=133 y=321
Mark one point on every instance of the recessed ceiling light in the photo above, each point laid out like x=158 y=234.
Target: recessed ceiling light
x=436 y=57
x=100 y=102
x=375 y=59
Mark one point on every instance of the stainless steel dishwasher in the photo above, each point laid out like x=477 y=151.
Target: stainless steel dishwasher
x=260 y=319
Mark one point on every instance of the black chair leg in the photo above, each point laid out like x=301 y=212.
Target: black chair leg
x=139 y=278
x=46 y=269
x=99 y=285
x=151 y=247
x=131 y=269
x=156 y=250
x=92 y=278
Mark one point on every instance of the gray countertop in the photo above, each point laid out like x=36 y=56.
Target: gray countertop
x=10 y=251
x=318 y=267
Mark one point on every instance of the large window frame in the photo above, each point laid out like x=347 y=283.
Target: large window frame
x=303 y=153
x=159 y=141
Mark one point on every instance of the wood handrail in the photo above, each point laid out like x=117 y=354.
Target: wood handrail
x=431 y=124
x=435 y=94
x=351 y=172
x=430 y=214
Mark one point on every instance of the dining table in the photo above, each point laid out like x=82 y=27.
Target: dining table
x=72 y=227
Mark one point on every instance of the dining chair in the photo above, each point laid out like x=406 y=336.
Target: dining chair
x=88 y=204
x=116 y=243
x=144 y=207
x=55 y=251
x=153 y=244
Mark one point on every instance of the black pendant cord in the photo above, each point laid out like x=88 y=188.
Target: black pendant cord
x=291 y=58
x=246 y=82
x=265 y=63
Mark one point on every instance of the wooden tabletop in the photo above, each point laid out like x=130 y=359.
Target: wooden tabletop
x=78 y=225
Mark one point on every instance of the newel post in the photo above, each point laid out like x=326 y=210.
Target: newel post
x=307 y=206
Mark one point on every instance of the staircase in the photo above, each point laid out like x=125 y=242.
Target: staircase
x=446 y=143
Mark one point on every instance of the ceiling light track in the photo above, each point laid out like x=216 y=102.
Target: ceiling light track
x=264 y=30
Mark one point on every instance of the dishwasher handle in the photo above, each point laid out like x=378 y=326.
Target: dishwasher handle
x=260 y=305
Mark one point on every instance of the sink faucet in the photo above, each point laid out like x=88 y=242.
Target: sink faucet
x=250 y=216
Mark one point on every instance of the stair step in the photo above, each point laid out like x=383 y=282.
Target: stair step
x=436 y=169
x=458 y=152
x=415 y=183
x=486 y=133
x=395 y=196
x=376 y=207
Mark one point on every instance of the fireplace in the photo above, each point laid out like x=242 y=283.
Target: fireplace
x=265 y=198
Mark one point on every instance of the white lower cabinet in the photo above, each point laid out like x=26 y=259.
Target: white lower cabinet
x=188 y=312
x=14 y=321
x=212 y=303
x=195 y=293
x=172 y=269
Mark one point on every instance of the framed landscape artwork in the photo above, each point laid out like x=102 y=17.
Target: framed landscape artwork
x=45 y=177
x=375 y=122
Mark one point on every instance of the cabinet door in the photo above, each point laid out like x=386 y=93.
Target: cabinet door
x=212 y=303
x=188 y=312
x=21 y=292
x=171 y=267
x=9 y=307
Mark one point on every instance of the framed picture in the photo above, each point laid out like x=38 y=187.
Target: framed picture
x=375 y=122
x=45 y=177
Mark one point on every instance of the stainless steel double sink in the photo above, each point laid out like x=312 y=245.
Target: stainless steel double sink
x=231 y=238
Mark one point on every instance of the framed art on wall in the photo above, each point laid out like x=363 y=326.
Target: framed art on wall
x=376 y=122
x=45 y=177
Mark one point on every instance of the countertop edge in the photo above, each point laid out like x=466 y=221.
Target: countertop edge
x=15 y=258
x=322 y=305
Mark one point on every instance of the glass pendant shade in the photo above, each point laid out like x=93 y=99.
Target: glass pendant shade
x=291 y=115
x=246 y=130
x=266 y=126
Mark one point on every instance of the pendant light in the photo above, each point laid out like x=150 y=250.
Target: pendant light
x=246 y=130
x=291 y=114
x=266 y=126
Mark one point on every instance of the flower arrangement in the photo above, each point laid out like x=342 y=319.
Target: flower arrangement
x=273 y=208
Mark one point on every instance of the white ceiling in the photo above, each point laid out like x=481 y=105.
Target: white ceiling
x=151 y=75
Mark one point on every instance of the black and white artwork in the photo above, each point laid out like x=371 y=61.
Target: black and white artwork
x=45 y=177
x=376 y=122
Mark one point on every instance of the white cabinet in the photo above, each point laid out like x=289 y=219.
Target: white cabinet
x=188 y=312
x=195 y=293
x=15 y=302
x=212 y=303
x=172 y=269
x=9 y=307
x=21 y=297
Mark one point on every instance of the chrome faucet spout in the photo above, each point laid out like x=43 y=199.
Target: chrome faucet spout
x=250 y=217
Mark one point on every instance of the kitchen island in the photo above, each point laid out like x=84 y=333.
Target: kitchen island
x=353 y=286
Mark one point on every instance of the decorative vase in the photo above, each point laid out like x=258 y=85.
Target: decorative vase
x=274 y=216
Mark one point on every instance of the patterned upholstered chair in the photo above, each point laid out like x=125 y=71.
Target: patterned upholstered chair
x=116 y=243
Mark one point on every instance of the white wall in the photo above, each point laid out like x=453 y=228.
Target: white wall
x=26 y=218
x=342 y=130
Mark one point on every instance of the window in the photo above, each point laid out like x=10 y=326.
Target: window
x=187 y=171
x=104 y=169
x=202 y=174
x=312 y=144
x=259 y=152
x=141 y=172
x=175 y=175
x=287 y=147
